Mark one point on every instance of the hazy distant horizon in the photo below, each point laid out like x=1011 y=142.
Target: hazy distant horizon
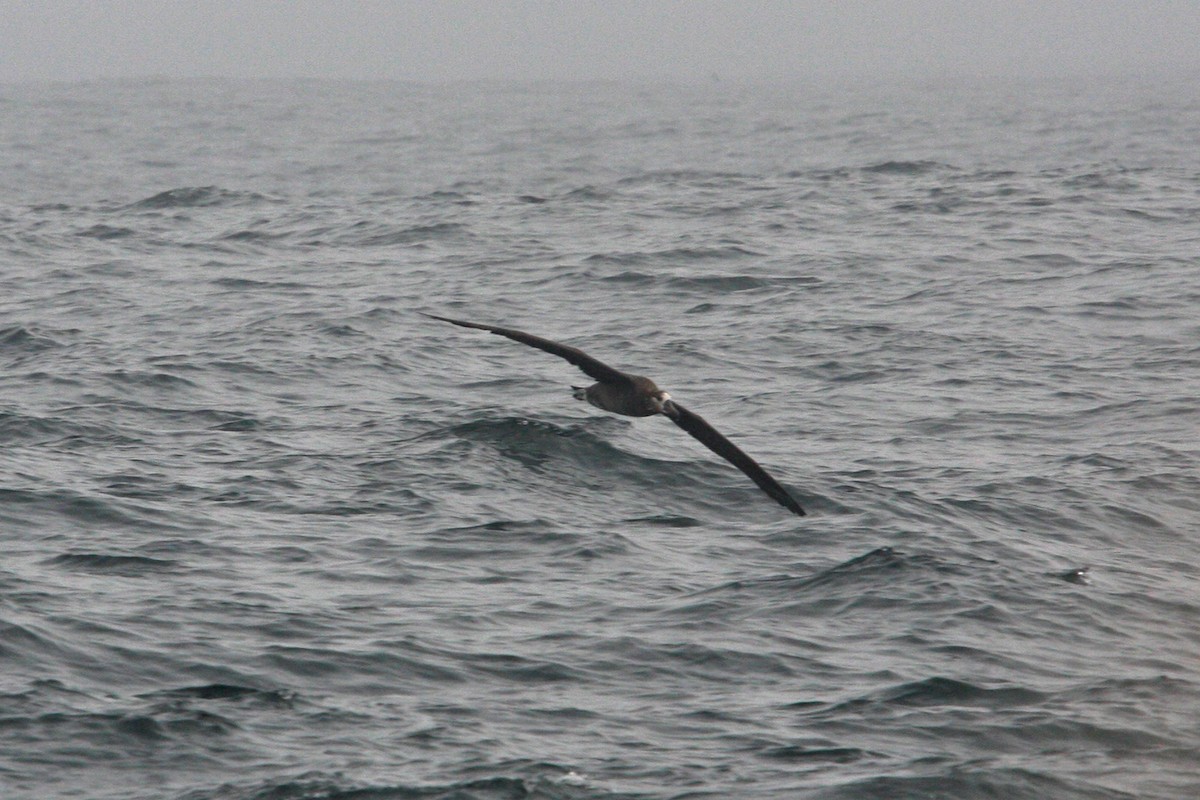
x=849 y=81
x=623 y=40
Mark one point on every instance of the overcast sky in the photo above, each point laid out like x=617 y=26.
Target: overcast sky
x=646 y=39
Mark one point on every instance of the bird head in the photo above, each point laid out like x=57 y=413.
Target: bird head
x=662 y=401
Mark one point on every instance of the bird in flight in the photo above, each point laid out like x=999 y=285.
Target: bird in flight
x=637 y=396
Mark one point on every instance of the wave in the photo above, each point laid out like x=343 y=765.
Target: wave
x=226 y=692
x=908 y=167
x=23 y=429
x=536 y=443
x=19 y=338
x=23 y=506
x=106 y=232
x=198 y=197
x=1011 y=783
x=673 y=255
x=319 y=786
x=387 y=235
x=104 y=563
x=579 y=467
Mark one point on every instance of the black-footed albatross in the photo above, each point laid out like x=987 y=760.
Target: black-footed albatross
x=636 y=396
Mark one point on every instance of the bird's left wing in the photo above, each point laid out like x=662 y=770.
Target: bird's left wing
x=593 y=367
x=708 y=436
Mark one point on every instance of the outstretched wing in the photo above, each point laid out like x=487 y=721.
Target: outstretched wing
x=597 y=369
x=708 y=436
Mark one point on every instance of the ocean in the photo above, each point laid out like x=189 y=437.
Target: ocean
x=269 y=533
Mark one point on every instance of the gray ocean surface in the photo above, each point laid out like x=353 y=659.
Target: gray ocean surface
x=267 y=533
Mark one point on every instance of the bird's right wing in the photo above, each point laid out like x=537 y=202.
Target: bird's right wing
x=709 y=436
x=597 y=369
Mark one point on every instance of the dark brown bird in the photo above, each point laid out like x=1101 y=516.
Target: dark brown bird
x=637 y=396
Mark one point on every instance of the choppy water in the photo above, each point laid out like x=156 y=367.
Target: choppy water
x=269 y=533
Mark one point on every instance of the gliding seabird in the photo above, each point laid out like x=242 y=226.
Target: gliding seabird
x=637 y=396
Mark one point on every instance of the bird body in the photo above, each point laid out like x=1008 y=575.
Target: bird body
x=638 y=396
x=645 y=399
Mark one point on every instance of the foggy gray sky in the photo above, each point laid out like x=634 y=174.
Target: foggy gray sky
x=536 y=39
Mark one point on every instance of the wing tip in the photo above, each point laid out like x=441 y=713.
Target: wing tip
x=462 y=323
x=435 y=316
x=787 y=501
